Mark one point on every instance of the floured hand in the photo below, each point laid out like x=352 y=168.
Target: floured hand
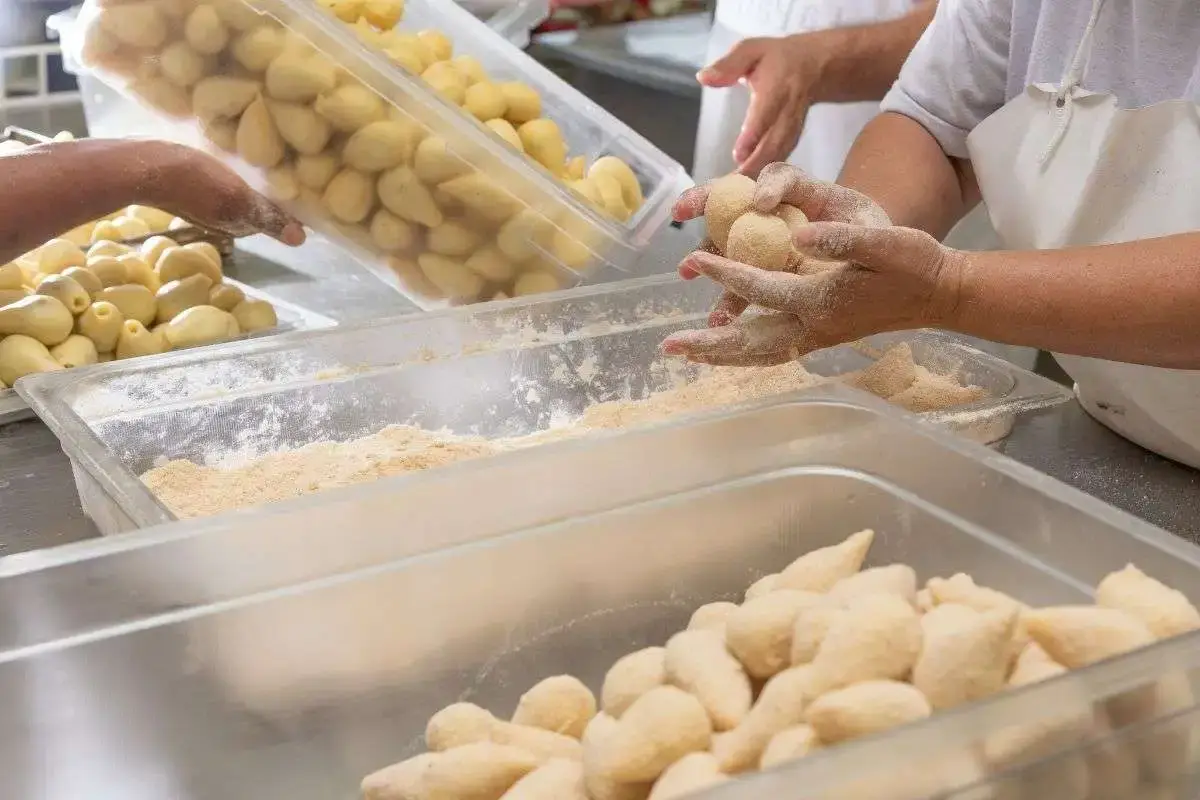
x=891 y=279
x=780 y=183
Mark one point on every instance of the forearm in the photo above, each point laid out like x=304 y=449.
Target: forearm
x=899 y=165
x=864 y=60
x=48 y=189
x=1136 y=302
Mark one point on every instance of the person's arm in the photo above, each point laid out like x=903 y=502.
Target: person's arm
x=1136 y=302
x=48 y=189
x=51 y=188
x=923 y=189
x=861 y=62
x=912 y=159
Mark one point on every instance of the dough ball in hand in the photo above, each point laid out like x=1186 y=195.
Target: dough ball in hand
x=760 y=240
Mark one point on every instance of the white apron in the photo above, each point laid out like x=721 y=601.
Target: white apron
x=1060 y=167
x=830 y=128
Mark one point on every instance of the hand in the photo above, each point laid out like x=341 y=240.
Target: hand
x=820 y=201
x=888 y=279
x=196 y=186
x=783 y=75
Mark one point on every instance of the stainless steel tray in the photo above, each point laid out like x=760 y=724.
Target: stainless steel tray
x=288 y=652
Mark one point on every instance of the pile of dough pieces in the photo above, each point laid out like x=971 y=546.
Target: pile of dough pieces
x=818 y=654
x=86 y=297
x=346 y=156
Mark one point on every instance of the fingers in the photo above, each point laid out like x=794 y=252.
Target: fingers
x=877 y=249
x=780 y=291
x=764 y=340
x=819 y=200
x=275 y=222
x=765 y=112
x=690 y=204
x=739 y=62
x=728 y=308
x=215 y=197
x=784 y=183
x=779 y=141
x=706 y=246
x=243 y=212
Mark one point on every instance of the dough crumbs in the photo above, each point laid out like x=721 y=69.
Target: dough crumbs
x=191 y=490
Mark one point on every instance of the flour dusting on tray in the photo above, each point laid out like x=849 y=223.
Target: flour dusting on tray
x=193 y=490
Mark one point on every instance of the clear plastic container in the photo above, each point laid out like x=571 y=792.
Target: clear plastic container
x=528 y=231
x=110 y=114
x=291 y=318
x=503 y=370
x=289 y=652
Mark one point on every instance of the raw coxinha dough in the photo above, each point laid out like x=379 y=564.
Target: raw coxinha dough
x=822 y=653
x=742 y=234
x=342 y=153
x=83 y=298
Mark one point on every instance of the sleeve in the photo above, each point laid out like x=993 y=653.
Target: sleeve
x=957 y=75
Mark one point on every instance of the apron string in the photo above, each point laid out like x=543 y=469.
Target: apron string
x=1072 y=76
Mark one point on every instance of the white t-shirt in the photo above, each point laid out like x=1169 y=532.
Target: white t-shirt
x=979 y=54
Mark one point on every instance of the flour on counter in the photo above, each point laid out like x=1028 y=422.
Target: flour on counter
x=192 y=490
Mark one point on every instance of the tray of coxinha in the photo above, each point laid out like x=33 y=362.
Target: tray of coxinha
x=819 y=654
x=137 y=282
x=318 y=137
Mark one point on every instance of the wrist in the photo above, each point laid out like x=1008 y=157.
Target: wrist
x=822 y=55
x=951 y=287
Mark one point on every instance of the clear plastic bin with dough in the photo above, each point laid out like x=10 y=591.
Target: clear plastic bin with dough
x=412 y=134
x=504 y=369
x=288 y=653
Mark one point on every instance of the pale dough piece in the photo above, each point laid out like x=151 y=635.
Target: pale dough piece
x=818 y=570
x=697 y=662
x=1166 y=612
x=760 y=632
x=865 y=708
x=561 y=704
x=877 y=637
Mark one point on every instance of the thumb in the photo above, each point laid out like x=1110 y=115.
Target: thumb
x=877 y=249
x=739 y=62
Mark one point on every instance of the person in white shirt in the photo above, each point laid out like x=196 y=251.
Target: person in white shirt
x=1078 y=123
x=796 y=80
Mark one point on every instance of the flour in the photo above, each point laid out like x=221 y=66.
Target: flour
x=193 y=490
